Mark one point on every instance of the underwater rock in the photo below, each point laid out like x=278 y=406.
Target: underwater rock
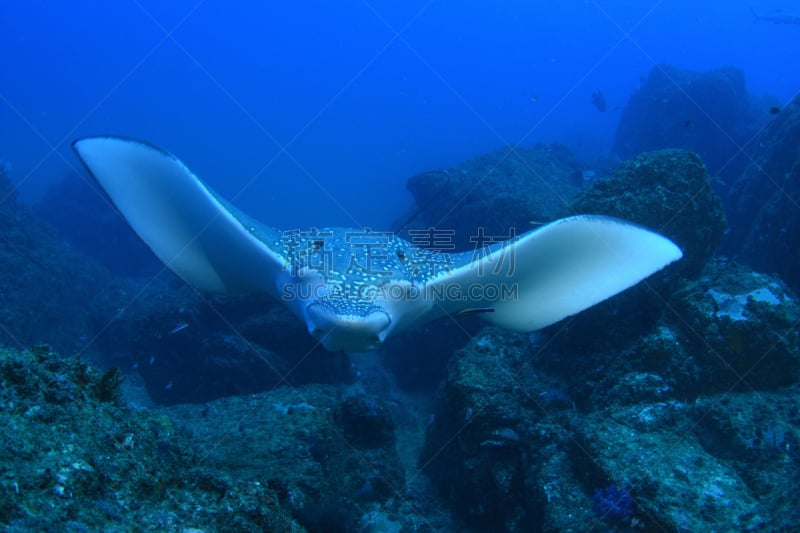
x=741 y=329
x=709 y=112
x=476 y=447
x=655 y=365
x=762 y=202
x=640 y=387
x=73 y=458
x=43 y=282
x=417 y=358
x=674 y=484
x=506 y=192
x=83 y=215
x=726 y=461
x=367 y=421
x=526 y=435
x=292 y=441
x=175 y=341
x=669 y=192
x=193 y=348
x=731 y=329
x=757 y=433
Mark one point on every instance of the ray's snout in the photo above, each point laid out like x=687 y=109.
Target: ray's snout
x=348 y=332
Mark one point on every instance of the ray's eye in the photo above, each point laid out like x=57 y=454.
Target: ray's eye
x=401 y=255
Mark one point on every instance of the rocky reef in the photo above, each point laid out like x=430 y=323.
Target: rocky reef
x=84 y=216
x=190 y=347
x=76 y=458
x=710 y=113
x=619 y=418
x=44 y=282
x=184 y=346
x=670 y=407
x=299 y=443
x=505 y=193
x=529 y=434
x=668 y=191
x=763 y=201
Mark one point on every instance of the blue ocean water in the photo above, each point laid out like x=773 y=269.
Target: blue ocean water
x=671 y=406
x=316 y=113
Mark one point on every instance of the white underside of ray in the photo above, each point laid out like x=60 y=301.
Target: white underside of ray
x=542 y=277
x=554 y=272
x=199 y=237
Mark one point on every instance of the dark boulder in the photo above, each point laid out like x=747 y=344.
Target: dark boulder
x=188 y=347
x=667 y=191
x=505 y=193
x=740 y=329
x=44 y=282
x=709 y=112
x=293 y=441
x=475 y=449
x=529 y=437
x=764 y=203
x=83 y=215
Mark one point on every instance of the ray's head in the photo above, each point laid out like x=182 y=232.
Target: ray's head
x=339 y=324
x=348 y=285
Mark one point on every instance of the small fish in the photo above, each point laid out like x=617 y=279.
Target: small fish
x=180 y=326
x=774 y=110
x=135 y=366
x=151 y=360
x=476 y=311
x=168 y=386
x=599 y=101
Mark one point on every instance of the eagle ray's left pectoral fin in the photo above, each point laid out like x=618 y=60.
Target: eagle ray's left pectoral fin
x=556 y=271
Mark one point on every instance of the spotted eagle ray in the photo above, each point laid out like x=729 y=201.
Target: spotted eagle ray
x=355 y=287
